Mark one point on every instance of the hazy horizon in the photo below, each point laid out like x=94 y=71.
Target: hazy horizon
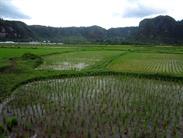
x=84 y=13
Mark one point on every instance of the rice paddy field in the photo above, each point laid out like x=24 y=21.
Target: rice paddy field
x=77 y=91
x=149 y=63
x=76 y=60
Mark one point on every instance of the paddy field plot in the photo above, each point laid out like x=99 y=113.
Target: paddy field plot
x=171 y=64
x=96 y=100
x=8 y=53
x=98 y=106
x=76 y=60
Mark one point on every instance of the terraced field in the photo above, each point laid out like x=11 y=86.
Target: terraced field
x=169 y=64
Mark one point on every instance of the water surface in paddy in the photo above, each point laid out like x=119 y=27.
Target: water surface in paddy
x=64 y=66
x=112 y=104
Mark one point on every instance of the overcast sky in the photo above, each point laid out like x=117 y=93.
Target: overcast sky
x=105 y=13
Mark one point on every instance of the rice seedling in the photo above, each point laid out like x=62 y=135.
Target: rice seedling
x=98 y=106
x=161 y=63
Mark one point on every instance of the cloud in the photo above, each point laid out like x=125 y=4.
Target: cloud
x=105 y=13
x=140 y=11
x=8 y=10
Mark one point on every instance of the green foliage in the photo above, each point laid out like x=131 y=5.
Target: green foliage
x=29 y=56
x=11 y=122
x=2 y=130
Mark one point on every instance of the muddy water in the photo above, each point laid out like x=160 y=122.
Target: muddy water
x=65 y=66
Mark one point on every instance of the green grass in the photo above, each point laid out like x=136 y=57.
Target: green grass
x=17 y=52
x=7 y=53
x=154 y=63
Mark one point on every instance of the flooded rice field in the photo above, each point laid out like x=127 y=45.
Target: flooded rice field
x=97 y=106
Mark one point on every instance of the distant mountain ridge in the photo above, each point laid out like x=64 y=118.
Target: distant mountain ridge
x=158 y=30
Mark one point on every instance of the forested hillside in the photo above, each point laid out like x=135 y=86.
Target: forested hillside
x=158 y=30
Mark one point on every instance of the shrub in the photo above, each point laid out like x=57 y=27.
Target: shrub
x=30 y=56
x=37 y=59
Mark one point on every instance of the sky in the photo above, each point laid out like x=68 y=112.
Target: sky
x=104 y=13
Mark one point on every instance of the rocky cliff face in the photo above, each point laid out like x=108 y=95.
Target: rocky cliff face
x=162 y=29
x=158 y=30
x=15 y=30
